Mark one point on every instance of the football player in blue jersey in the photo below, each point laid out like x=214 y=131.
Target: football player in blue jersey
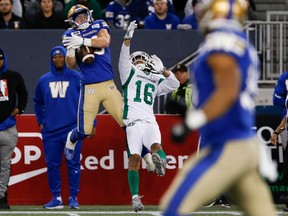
x=96 y=79
x=97 y=85
x=225 y=75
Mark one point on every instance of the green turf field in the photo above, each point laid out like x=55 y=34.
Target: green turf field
x=117 y=210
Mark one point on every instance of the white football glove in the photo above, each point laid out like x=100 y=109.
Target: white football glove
x=130 y=30
x=72 y=42
x=158 y=66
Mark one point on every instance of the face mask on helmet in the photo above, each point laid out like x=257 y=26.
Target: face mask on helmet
x=141 y=60
x=79 y=17
x=222 y=14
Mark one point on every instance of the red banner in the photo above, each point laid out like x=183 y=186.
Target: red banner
x=104 y=165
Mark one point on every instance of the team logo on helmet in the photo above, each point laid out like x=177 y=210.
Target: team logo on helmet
x=77 y=10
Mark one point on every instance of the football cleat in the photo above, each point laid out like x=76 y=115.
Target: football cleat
x=137 y=204
x=73 y=203
x=55 y=203
x=69 y=148
x=160 y=164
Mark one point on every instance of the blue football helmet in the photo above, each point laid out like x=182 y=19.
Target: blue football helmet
x=222 y=13
x=75 y=11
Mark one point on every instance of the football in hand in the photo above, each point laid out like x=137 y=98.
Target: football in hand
x=85 y=54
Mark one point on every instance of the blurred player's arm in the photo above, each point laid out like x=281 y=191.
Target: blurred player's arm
x=227 y=81
x=227 y=86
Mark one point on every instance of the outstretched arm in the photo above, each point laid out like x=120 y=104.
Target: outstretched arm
x=124 y=65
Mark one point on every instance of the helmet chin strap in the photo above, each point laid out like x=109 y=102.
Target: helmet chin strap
x=83 y=25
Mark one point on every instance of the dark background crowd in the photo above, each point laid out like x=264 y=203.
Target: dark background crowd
x=149 y=14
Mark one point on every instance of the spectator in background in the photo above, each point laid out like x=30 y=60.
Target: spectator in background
x=90 y=4
x=32 y=7
x=117 y=14
x=161 y=19
x=8 y=20
x=183 y=95
x=151 y=9
x=13 y=100
x=47 y=17
x=194 y=18
x=59 y=90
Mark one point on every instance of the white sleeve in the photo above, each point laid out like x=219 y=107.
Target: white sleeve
x=168 y=85
x=124 y=65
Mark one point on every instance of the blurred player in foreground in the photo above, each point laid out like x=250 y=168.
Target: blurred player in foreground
x=225 y=76
x=143 y=78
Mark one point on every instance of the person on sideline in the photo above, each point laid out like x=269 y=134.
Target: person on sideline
x=13 y=100
x=143 y=78
x=280 y=99
x=55 y=104
x=182 y=95
x=225 y=77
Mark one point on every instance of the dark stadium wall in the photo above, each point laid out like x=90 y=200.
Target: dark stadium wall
x=28 y=51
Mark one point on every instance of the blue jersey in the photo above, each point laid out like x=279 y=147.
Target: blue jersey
x=191 y=19
x=280 y=90
x=119 y=14
x=101 y=69
x=56 y=99
x=153 y=22
x=241 y=114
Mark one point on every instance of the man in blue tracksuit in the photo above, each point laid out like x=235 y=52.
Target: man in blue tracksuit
x=55 y=104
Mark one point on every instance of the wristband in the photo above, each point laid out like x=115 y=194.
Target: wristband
x=275 y=133
x=87 y=42
x=195 y=119
x=70 y=53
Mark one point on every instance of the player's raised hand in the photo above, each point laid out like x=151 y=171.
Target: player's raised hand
x=158 y=65
x=130 y=30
